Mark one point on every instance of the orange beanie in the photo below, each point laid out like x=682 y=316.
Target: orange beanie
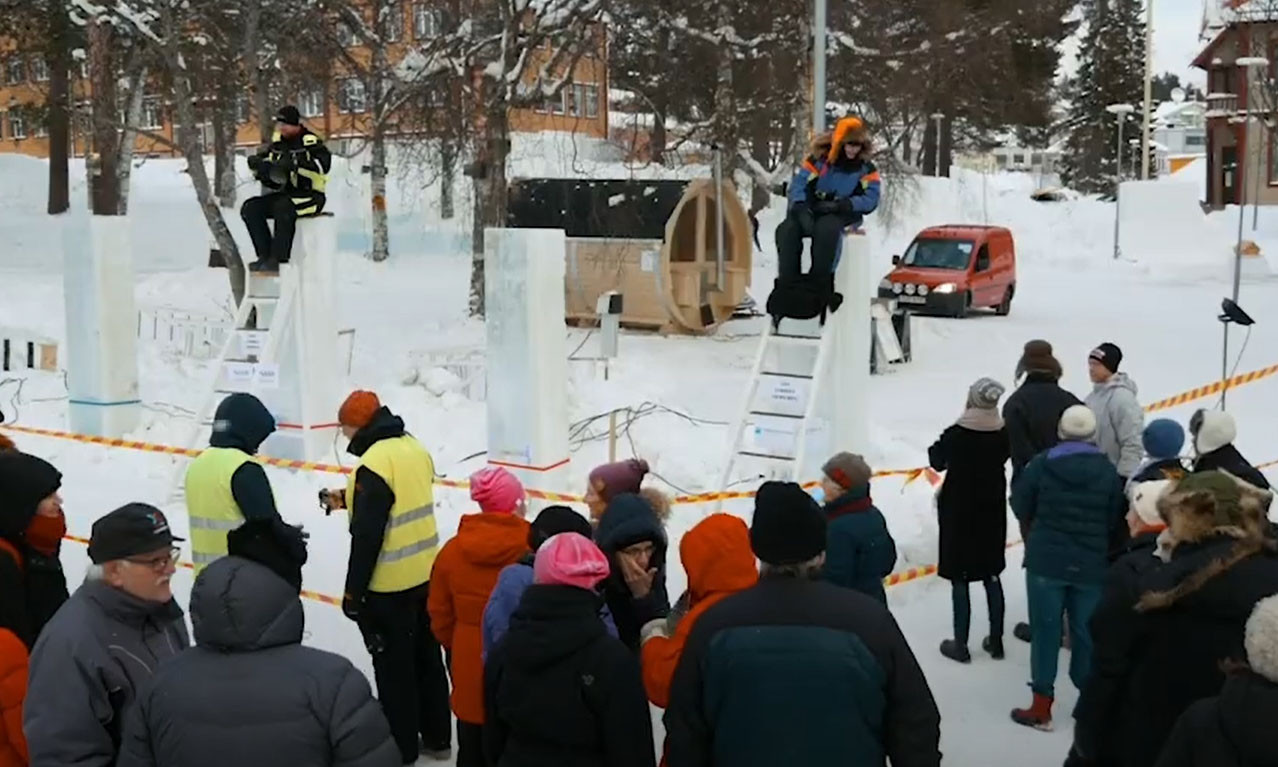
x=358 y=409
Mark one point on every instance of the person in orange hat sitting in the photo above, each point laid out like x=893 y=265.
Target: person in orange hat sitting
x=465 y=575
x=832 y=191
x=394 y=543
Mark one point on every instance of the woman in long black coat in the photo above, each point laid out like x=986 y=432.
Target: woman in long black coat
x=972 y=512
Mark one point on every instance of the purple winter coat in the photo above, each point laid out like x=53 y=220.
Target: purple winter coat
x=511 y=583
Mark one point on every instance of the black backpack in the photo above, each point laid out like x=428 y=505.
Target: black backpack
x=803 y=297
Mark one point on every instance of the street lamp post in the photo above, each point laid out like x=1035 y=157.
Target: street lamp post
x=819 y=15
x=938 y=117
x=1120 y=112
x=1149 y=91
x=1248 y=64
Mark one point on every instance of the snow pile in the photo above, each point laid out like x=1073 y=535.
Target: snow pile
x=1163 y=226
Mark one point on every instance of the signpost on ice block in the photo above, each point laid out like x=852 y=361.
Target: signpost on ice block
x=102 y=363
x=527 y=356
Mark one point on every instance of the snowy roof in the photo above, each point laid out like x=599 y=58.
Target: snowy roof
x=1169 y=109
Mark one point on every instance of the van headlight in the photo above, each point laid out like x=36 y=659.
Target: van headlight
x=947 y=287
x=909 y=289
x=922 y=290
x=897 y=288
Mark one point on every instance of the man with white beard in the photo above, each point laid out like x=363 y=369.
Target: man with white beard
x=105 y=642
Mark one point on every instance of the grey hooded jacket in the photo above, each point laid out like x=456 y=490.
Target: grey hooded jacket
x=1120 y=422
x=249 y=693
x=99 y=649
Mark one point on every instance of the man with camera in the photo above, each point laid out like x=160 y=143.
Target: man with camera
x=295 y=168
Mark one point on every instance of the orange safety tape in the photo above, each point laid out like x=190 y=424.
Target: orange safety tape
x=911 y=475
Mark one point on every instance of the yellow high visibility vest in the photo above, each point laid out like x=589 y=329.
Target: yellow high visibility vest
x=210 y=506
x=412 y=541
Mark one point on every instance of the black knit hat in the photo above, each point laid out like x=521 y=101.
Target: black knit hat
x=788 y=527
x=272 y=543
x=288 y=115
x=25 y=480
x=1108 y=355
x=554 y=520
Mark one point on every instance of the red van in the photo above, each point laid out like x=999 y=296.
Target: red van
x=953 y=269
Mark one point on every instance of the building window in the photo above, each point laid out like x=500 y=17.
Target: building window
x=583 y=101
x=41 y=128
x=14 y=71
x=39 y=69
x=243 y=109
x=554 y=104
x=17 y=126
x=1195 y=139
x=152 y=114
x=310 y=102
x=435 y=96
x=351 y=97
x=395 y=24
x=427 y=21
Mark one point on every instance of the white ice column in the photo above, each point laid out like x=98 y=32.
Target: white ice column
x=527 y=356
x=102 y=363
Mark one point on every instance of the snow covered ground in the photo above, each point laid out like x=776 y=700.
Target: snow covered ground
x=1158 y=304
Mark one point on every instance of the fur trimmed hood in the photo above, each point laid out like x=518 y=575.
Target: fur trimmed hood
x=1262 y=639
x=849 y=129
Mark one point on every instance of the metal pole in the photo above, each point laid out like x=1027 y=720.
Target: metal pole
x=819 y=17
x=1149 y=91
x=721 y=276
x=1118 y=182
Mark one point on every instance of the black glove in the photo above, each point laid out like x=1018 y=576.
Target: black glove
x=351 y=606
x=254 y=162
x=826 y=207
x=859 y=189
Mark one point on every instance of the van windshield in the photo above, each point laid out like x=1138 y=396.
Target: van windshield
x=939 y=254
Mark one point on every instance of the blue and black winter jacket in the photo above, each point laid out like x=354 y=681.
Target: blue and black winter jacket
x=1071 y=497
x=859 y=551
x=799 y=672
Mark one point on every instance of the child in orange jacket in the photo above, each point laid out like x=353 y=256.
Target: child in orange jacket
x=13 y=689
x=465 y=573
x=719 y=561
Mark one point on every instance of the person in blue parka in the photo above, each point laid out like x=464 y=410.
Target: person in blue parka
x=834 y=189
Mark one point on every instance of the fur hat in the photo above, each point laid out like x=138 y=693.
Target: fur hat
x=1038 y=358
x=819 y=146
x=1212 y=430
x=1078 y=423
x=1261 y=638
x=850 y=129
x=1163 y=438
x=1214 y=502
x=848 y=470
x=1144 y=501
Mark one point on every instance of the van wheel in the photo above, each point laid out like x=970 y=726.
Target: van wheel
x=1005 y=308
x=966 y=308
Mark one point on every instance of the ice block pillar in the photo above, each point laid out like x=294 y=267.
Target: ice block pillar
x=527 y=357
x=307 y=393
x=102 y=361
x=849 y=379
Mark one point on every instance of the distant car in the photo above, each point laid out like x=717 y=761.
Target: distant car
x=954 y=269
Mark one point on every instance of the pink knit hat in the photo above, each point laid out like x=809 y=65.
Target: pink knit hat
x=569 y=559
x=496 y=490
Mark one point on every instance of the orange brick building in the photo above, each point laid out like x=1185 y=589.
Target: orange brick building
x=336 y=107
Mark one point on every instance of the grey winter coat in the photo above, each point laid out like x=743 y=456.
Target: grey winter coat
x=249 y=693
x=1120 y=421
x=99 y=649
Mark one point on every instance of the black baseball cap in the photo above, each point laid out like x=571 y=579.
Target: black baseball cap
x=130 y=530
x=288 y=115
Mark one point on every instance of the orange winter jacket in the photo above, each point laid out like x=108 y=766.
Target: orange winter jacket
x=719 y=561
x=464 y=576
x=13 y=688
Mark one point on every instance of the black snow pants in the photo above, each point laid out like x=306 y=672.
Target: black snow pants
x=284 y=208
x=825 y=232
x=408 y=665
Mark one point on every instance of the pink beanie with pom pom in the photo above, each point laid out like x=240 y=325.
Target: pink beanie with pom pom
x=569 y=559
x=496 y=490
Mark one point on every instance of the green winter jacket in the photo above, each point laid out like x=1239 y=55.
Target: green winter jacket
x=1071 y=499
x=859 y=551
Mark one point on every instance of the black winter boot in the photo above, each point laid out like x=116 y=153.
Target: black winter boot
x=265 y=266
x=951 y=649
x=993 y=646
x=1022 y=632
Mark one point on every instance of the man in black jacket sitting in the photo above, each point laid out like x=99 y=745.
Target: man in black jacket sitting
x=295 y=167
x=795 y=670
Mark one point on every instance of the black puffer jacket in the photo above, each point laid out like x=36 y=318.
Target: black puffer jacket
x=628 y=520
x=560 y=692
x=263 y=699
x=1229 y=459
x=1234 y=729
x=32 y=585
x=1194 y=611
x=1033 y=414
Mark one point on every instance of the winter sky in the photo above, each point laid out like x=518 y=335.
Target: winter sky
x=1176 y=24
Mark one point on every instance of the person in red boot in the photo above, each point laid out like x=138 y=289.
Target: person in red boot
x=463 y=579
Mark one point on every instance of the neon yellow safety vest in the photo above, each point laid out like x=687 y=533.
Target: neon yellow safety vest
x=412 y=541
x=317 y=179
x=210 y=506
